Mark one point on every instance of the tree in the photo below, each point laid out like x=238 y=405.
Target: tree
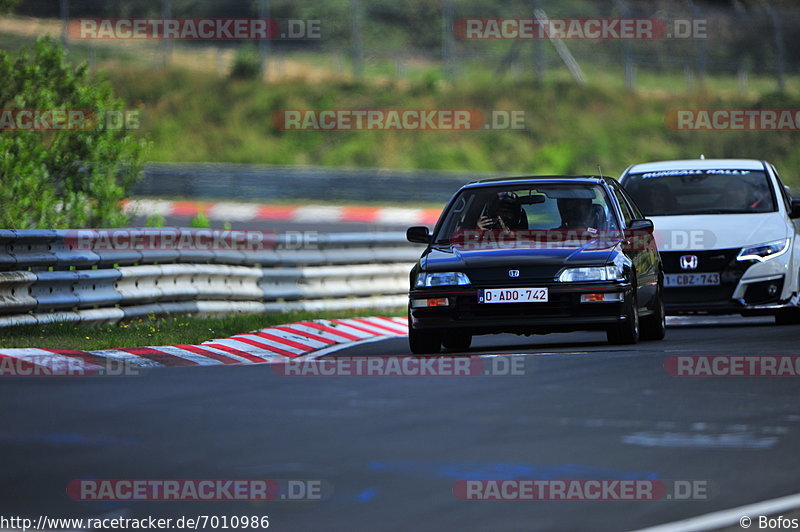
x=66 y=177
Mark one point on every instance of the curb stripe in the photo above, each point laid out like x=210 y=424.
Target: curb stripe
x=386 y=322
x=282 y=340
x=378 y=326
x=85 y=357
x=208 y=353
x=239 y=358
x=278 y=344
x=372 y=331
x=307 y=334
x=237 y=352
x=270 y=345
x=330 y=330
x=233 y=211
x=177 y=352
x=157 y=356
x=265 y=347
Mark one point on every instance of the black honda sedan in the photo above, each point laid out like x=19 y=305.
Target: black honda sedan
x=535 y=255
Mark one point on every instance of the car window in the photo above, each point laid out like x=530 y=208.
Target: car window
x=627 y=214
x=787 y=200
x=537 y=207
x=712 y=191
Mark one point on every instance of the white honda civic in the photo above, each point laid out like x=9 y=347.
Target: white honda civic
x=728 y=233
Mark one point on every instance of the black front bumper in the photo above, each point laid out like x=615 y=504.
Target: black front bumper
x=563 y=312
x=758 y=298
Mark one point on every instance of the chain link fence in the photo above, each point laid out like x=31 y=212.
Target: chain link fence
x=415 y=40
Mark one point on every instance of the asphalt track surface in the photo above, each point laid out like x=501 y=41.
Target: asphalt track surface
x=391 y=448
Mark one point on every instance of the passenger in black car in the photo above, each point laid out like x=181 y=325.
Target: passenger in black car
x=576 y=213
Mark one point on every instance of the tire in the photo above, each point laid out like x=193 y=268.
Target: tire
x=787 y=316
x=627 y=332
x=457 y=340
x=425 y=341
x=654 y=326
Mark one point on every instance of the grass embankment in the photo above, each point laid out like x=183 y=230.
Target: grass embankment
x=158 y=330
x=570 y=129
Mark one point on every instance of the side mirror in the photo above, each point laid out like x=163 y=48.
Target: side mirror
x=642 y=224
x=795 y=212
x=418 y=235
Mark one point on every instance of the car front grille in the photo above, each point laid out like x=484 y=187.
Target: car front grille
x=722 y=261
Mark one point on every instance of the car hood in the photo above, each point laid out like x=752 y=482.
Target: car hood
x=717 y=231
x=456 y=258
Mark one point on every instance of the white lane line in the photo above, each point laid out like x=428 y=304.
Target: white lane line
x=730 y=517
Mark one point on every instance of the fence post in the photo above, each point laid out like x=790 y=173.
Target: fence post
x=539 y=57
x=357 y=49
x=166 y=45
x=779 y=46
x=447 y=39
x=627 y=56
x=699 y=45
x=64 y=8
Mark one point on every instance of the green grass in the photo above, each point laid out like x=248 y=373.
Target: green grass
x=158 y=330
x=570 y=129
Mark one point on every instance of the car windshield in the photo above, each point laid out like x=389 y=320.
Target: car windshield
x=540 y=212
x=682 y=192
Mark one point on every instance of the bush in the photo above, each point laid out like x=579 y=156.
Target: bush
x=246 y=65
x=62 y=178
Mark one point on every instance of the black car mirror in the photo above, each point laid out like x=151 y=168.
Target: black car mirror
x=795 y=212
x=642 y=224
x=418 y=234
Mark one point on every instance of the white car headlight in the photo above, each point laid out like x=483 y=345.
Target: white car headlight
x=442 y=279
x=766 y=251
x=611 y=272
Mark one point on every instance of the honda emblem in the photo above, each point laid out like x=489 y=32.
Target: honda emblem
x=513 y=273
x=689 y=262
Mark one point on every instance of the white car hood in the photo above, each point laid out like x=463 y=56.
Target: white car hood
x=717 y=231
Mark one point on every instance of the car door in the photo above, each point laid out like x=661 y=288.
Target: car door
x=642 y=251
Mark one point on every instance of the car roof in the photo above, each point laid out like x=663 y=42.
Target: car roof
x=521 y=180
x=698 y=164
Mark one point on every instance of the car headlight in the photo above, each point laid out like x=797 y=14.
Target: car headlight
x=766 y=251
x=611 y=272
x=442 y=279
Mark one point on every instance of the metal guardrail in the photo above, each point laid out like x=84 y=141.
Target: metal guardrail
x=65 y=276
x=268 y=182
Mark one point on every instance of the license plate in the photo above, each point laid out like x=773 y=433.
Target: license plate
x=691 y=279
x=513 y=295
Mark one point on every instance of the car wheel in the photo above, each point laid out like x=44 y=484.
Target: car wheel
x=626 y=332
x=654 y=326
x=457 y=340
x=425 y=341
x=787 y=316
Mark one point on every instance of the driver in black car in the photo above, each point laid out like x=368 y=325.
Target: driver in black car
x=504 y=214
